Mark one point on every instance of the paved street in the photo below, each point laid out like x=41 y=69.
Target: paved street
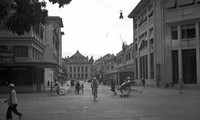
x=152 y=104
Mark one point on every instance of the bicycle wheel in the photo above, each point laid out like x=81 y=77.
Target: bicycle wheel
x=127 y=90
x=51 y=92
x=62 y=91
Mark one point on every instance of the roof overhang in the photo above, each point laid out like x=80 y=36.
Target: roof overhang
x=138 y=8
x=36 y=64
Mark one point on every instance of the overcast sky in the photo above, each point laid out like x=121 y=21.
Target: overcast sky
x=93 y=26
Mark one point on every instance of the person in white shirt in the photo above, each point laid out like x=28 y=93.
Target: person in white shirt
x=12 y=102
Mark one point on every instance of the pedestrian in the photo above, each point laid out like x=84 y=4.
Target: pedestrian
x=94 y=86
x=180 y=82
x=48 y=83
x=77 y=87
x=82 y=87
x=143 y=82
x=12 y=102
x=112 y=83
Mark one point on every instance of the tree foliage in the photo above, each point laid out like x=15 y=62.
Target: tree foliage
x=20 y=15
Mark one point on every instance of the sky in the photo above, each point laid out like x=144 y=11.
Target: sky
x=93 y=26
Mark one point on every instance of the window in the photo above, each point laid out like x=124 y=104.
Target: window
x=3 y=48
x=171 y=4
x=78 y=75
x=151 y=41
x=188 y=31
x=70 y=75
x=82 y=69
x=86 y=69
x=82 y=76
x=150 y=10
x=70 y=69
x=174 y=32
x=142 y=18
x=86 y=75
x=74 y=69
x=151 y=35
x=183 y=3
x=135 y=24
x=20 y=51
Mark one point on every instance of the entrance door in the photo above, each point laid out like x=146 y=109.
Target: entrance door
x=175 y=72
x=189 y=66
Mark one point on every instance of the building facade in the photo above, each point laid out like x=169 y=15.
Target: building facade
x=103 y=66
x=22 y=59
x=79 y=67
x=53 y=49
x=117 y=67
x=166 y=40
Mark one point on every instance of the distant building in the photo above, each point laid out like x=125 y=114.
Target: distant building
x=102 y=66
x=166 y=40
x=78 y=67
x=117 y=67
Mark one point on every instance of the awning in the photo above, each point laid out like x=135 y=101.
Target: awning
x=131 y=69
x=114 y=71
x=36 y=64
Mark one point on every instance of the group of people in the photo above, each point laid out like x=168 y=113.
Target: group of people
x=79 y=86
x=12 y=100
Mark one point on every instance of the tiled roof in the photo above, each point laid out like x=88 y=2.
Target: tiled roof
x=78 y=58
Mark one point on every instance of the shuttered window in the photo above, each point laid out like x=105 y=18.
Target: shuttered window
x=185 y=2
x=171 y=4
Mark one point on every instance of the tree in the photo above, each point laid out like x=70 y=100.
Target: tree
x=20 y=15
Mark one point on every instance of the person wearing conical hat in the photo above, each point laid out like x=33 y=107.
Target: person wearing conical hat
x=12 y=102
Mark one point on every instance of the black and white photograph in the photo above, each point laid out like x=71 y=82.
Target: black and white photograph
x=99 y=59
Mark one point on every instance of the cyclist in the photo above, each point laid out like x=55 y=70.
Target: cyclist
x=94 y=86
x=57 y=86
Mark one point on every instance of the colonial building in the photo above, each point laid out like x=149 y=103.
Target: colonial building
x=23 y=59
x=78 y=67
x=102 y=66
x=166 y=40
x=53 y=49
x=117 y=67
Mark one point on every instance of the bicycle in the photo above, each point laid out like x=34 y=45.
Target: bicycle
x=53 y=91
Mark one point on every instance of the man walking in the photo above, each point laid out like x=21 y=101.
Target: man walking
x=112 y=83
x=12 y=102
x=180 y=82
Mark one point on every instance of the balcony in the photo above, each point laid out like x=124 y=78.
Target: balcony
x=183 y=14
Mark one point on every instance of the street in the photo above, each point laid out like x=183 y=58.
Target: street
x=152 y=104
